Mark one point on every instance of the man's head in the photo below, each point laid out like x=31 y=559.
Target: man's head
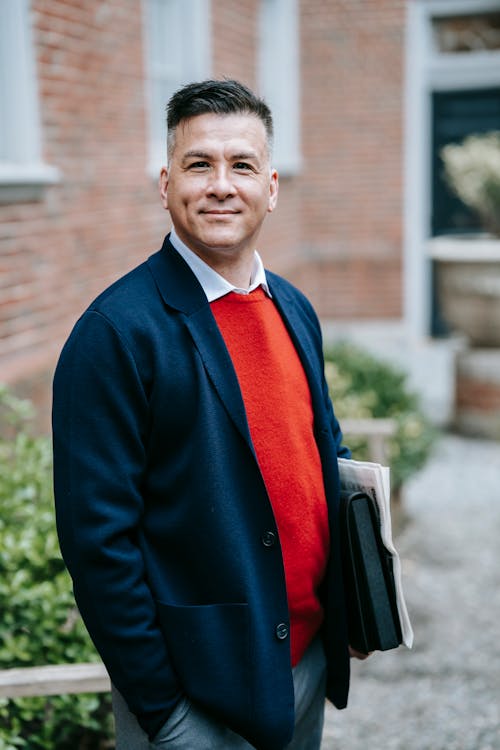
x=219 y=184
x=223 y=97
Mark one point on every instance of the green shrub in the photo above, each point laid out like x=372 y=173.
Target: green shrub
x=363 y=386
x=39 y=623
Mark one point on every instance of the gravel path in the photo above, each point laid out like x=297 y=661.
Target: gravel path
x=444 y=694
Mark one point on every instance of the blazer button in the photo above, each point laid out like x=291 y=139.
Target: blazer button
x=268 y=538
x=281 y=631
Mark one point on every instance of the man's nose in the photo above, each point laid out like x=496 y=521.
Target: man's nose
x=221 y=184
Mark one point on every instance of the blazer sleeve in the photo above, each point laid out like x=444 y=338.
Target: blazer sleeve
x=100 y=417
x=342 y=450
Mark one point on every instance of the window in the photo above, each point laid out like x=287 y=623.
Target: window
x=178 y=51
x=455 y=115
x=462 y=43
x=452 y=88
x=279 y=77
x=463 y=78
x=20 y=142
x=467 y=33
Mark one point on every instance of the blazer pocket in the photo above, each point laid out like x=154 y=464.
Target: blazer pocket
x=209 y=646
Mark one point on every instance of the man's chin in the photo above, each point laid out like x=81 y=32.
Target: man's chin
x=221 y=242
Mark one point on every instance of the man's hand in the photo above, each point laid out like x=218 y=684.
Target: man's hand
x=358 y=654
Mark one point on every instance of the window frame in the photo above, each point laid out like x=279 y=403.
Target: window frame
x=195 y=22
x=23 y=173
x=279 y=79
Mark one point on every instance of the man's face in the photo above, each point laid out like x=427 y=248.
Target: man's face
x=219 y=185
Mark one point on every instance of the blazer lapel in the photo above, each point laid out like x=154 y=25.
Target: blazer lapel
x=181 y=290
x=219 y=366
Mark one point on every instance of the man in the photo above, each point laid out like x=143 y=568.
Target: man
x=195 y=453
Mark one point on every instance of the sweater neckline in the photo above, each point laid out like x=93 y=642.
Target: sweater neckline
x=256 y=295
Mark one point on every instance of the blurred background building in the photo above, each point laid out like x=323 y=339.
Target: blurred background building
x=365 y=94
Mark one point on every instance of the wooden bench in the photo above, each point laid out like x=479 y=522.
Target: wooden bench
x=376 y=432
x=60 y=679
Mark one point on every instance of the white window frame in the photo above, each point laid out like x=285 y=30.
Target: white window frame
x=279 y=79
x=22 y=170
x=192 y=35
x=428 y=70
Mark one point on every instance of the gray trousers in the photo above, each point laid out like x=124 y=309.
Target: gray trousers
x=190 y=728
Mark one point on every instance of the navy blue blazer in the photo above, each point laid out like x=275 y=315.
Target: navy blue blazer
x=162 y=512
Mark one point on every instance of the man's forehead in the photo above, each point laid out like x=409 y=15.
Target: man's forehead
x=233 y=135
x=222 y=125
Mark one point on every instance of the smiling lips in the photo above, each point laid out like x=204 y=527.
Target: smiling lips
x=219 y=211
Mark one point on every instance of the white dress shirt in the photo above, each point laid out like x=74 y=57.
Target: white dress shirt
x=214 y=285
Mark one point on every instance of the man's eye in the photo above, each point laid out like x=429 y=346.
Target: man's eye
x=199 y=165
x=242 y=166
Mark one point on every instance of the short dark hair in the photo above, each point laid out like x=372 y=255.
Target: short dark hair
x=220 y=97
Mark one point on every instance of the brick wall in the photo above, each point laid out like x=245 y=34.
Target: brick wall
x=352 y=84
x=234 y=44
x=337 y=229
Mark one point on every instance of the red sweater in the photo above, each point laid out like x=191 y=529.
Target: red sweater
x=279 y=412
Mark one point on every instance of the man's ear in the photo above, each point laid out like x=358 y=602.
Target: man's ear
x=273 y=191
x=163 y=185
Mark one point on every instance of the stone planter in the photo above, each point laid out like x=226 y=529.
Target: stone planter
x=468 y=286
x=477 y=394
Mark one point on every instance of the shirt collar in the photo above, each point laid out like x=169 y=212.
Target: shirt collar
x=214 y=285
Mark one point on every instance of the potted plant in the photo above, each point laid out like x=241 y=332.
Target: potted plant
x=468 y=268
x=472 y=170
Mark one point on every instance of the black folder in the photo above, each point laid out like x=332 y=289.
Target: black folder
x=372 y=613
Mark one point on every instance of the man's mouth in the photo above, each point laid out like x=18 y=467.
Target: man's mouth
x=219 y=211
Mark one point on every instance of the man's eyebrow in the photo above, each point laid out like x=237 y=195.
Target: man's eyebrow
x=246 y=155
x=196 y=155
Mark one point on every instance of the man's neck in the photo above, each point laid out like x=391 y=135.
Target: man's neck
x=237 y=271
x=235 y=266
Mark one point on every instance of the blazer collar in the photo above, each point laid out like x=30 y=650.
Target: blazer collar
x=176 y=283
